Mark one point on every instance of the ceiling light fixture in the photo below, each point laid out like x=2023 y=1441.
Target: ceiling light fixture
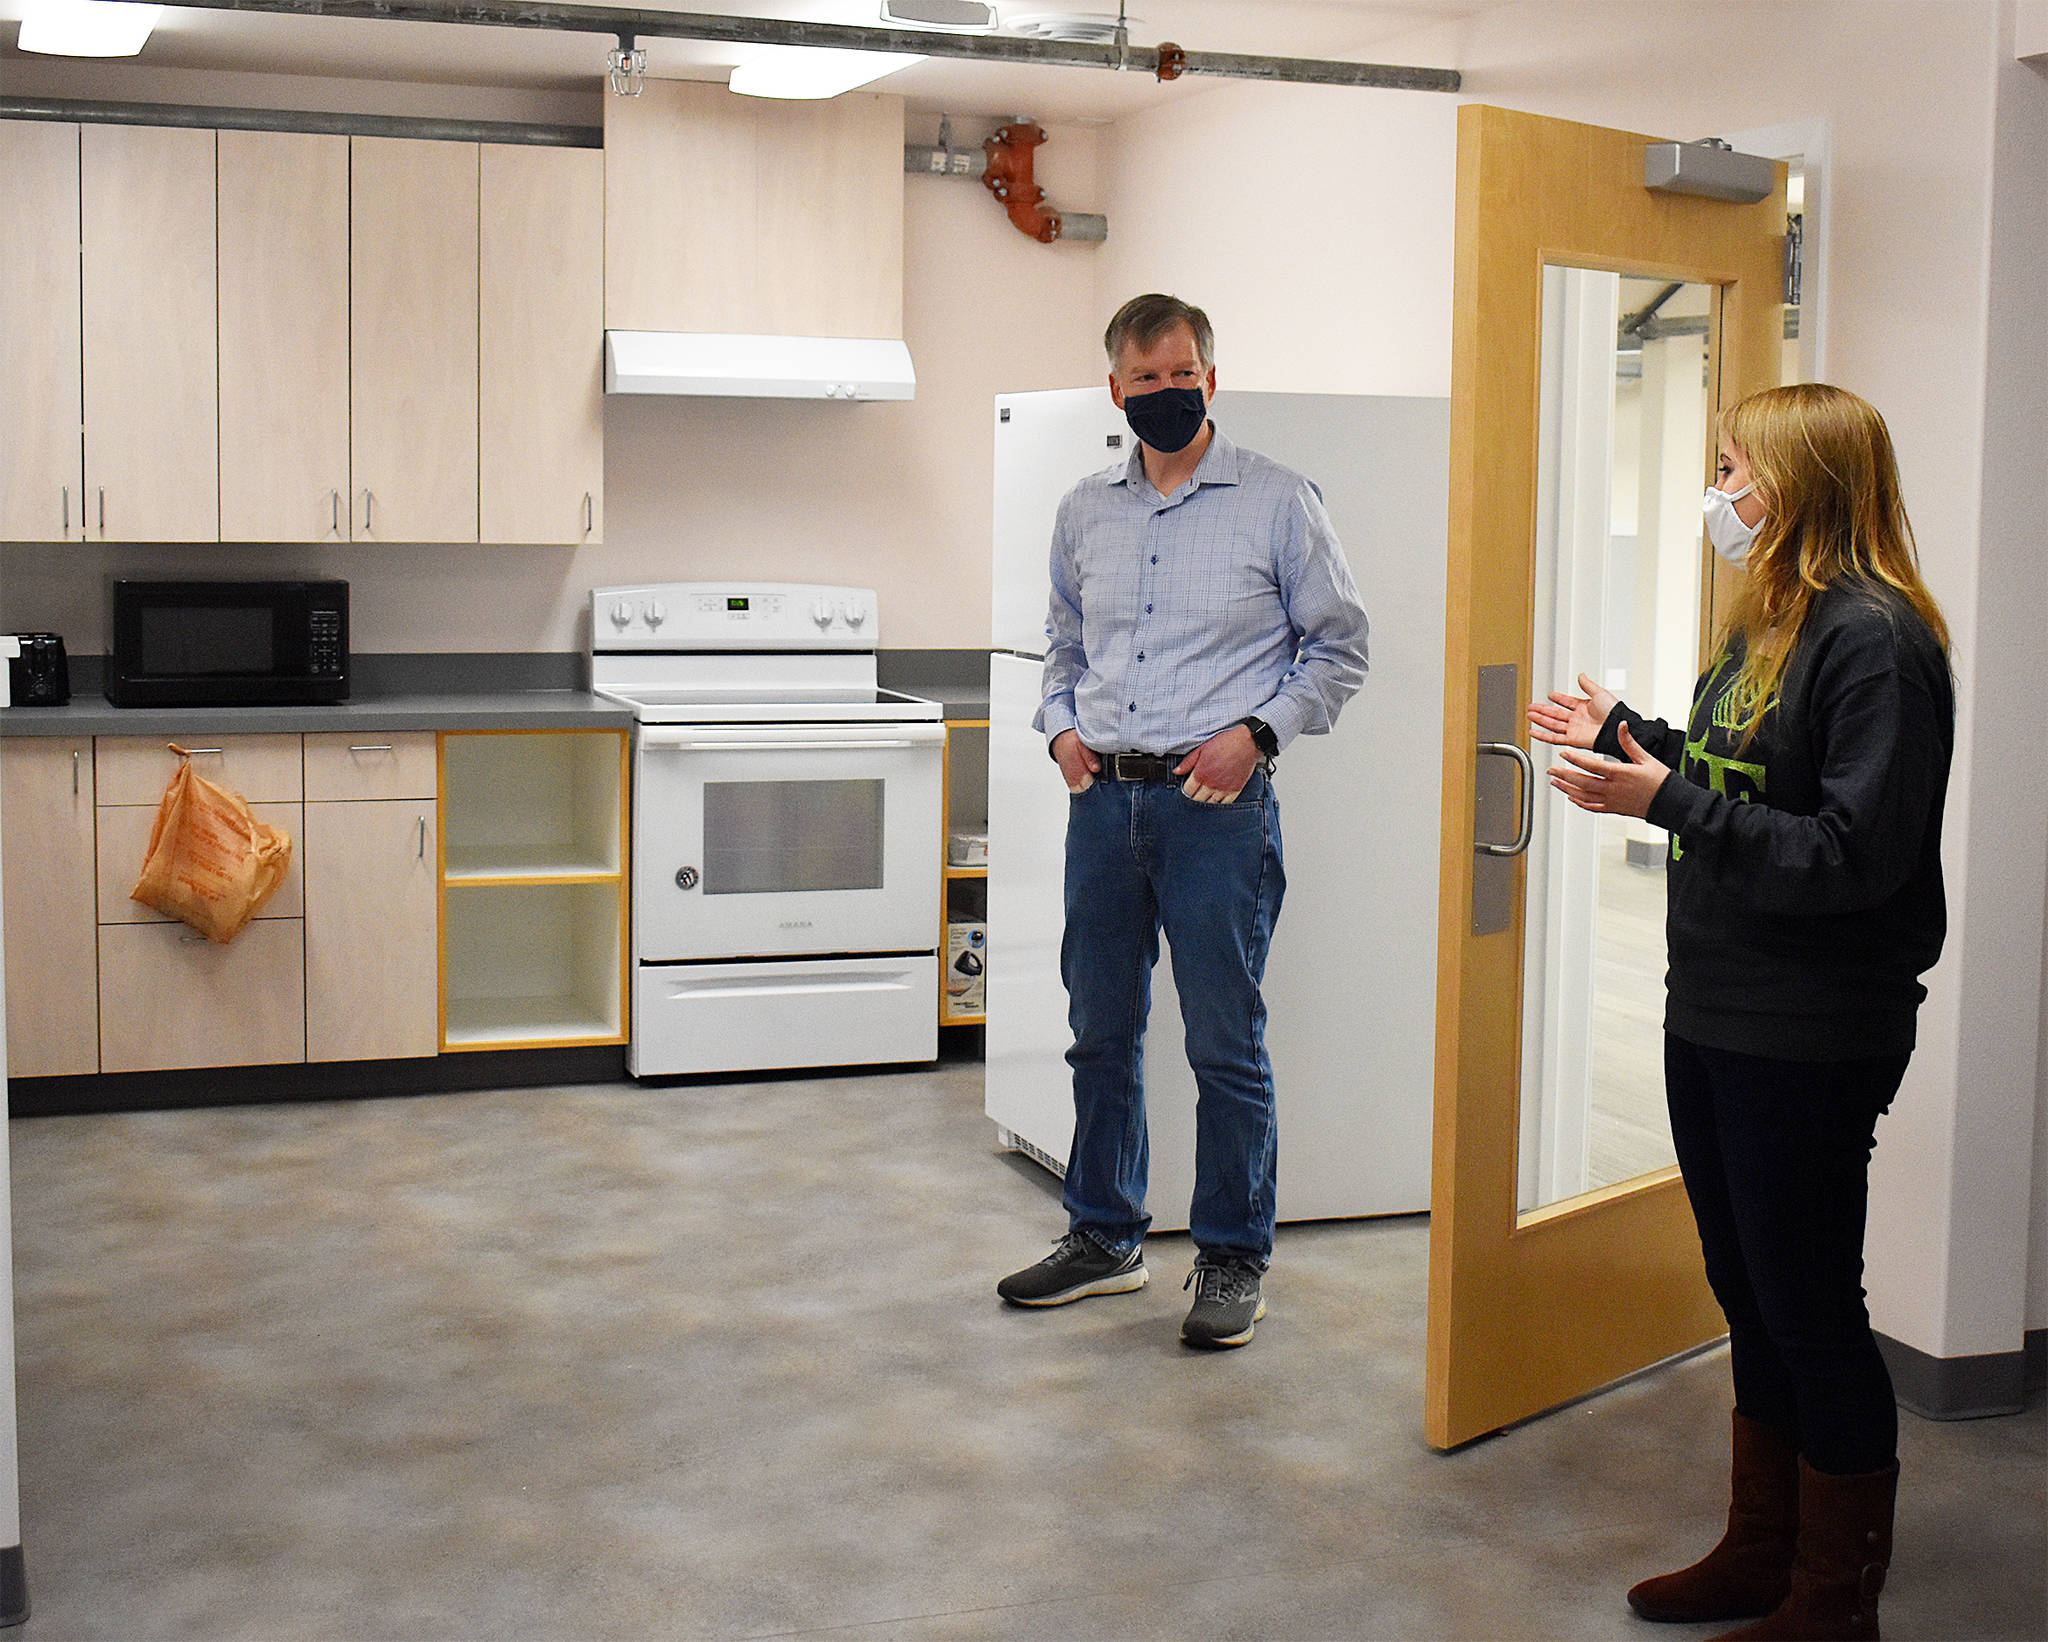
x=86 y=28
x=626 y=66
x=811 y=72
x=958 y=16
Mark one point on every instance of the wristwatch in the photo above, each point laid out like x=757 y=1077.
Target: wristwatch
x=1262 y=736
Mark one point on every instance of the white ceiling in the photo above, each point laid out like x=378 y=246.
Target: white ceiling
x=533 y=59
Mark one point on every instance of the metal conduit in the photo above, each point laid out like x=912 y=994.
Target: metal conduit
x=301 y=120
x=768 y=31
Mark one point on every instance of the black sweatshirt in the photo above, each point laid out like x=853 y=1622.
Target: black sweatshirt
x=1804 y=892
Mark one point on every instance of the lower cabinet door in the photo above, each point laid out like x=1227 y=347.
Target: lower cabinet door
x=373 y=972
x=171 y=998
x=53 y=1026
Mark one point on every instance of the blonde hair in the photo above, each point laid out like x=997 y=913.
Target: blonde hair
x=1822 y=464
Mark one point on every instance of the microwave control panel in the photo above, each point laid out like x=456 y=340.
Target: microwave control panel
x=693 y=616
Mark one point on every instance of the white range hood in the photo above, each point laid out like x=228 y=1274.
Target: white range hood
x=757 y=367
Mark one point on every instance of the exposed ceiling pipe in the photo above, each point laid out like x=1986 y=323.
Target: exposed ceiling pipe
x=1008 y=177
x=1166 y=62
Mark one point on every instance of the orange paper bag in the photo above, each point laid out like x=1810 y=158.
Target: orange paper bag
x=211 y=863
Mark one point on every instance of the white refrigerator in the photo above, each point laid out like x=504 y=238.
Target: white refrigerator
x=1351 y=978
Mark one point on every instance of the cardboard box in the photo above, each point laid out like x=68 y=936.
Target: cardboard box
x=966 y=965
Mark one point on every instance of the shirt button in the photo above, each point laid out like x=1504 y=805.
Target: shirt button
x=1141 y=655
x=1155 y=558
x=1133 y=707
x=1148 y=610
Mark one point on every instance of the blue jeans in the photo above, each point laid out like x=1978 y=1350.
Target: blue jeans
x=1140 y=855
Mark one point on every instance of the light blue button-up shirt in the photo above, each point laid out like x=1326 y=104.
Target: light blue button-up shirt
x=1172 y=617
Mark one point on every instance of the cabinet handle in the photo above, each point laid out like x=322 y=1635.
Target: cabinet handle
x=379 y=747
x=367 y=526
x=422 y=853
x=336 y=514
x=191 y=940
x=204 y=752
x=103 y=510
x=589 y=514
x=74 y=775
x=67 y=510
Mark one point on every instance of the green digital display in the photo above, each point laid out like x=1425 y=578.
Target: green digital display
x=736 y=604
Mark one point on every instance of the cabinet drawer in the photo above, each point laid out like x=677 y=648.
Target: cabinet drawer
x=344 y=767
x=124 y=842
x=135 y=769
x=169 y=998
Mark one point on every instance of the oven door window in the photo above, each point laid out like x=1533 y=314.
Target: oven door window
x=788 y=837
x=208 y=641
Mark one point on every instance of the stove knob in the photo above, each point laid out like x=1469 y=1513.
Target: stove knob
x=821 y=613
x=856 y=614
x=622 y=614
x=656 y=612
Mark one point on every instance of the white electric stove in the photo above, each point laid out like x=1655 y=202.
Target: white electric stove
x=786 y=829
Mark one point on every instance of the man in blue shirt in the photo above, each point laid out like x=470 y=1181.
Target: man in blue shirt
x=1202 y=616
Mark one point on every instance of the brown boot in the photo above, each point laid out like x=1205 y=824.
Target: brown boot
x=1750 y=1571
x=1845 y=1546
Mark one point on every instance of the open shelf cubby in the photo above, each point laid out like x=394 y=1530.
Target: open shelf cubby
x=533 y=963
x=532 y=804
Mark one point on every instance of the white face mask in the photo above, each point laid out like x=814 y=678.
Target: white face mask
x=1725 y=529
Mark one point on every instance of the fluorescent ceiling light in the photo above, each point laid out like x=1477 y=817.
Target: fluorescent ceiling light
x=86 y=28
x=813 y=72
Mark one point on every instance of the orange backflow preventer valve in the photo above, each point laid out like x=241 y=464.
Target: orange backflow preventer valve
x=1008 y=177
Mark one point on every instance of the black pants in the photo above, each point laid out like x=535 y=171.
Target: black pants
x=1776 y=1159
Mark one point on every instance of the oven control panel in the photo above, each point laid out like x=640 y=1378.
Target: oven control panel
x=732 y=616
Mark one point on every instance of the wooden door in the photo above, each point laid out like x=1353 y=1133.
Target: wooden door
x=413 y=340
x=1533 y=1305
x=829 y=217
x=42 y=497
x=150 y=343
x=52 y=963
x=170 y=998
x=372 y=921
x=540 y=442
x=284 y=425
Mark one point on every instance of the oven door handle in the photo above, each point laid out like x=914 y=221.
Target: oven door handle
x=694 y=741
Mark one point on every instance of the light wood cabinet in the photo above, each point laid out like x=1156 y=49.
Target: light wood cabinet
x=150 y=348
x=171 y=998
x=540 y=355
x=413 y=340
x=42 y=497
x=124 y=845
x=46 y=812
x=342 y=766
x=264 y=769
x=731 y=214
x=372 y=957
x=284 y=336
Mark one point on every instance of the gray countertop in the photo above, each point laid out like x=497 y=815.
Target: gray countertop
x=367 y=711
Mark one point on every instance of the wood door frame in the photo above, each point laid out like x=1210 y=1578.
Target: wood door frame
x=1533 y=191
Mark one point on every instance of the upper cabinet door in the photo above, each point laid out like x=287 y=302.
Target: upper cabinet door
x=150 y=349
x=541 y=358
x=829 y=217
x=284 y=461
x=413 y=340
x=41 y=476
x=727 y=213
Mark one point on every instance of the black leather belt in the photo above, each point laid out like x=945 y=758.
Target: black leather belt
x=1138 y=767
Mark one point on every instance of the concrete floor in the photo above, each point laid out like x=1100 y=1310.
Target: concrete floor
x=724 y=1361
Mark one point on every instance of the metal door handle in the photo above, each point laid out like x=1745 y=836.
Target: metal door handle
x=335 y=515
x=421 y=855
x=103 y=510
x=74 y=775
x=589 y=514
x=201 y=752
x=373 y=747
x=1507 y=749
x=367 y=526
x=67 y=510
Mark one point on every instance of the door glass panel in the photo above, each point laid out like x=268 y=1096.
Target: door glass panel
x=1622 y=457
x=789 y=837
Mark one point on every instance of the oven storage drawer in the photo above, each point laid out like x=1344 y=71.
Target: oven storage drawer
x=799 y=1012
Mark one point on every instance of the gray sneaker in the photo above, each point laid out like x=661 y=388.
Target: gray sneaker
x=1077 y=1267
x=1227 y=1304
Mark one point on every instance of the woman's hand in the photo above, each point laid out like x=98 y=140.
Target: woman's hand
x=1572 y=721
x=1604 y=786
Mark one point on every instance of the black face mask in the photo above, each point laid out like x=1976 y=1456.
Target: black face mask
x=1167 y=418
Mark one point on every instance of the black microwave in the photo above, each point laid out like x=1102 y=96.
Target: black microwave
x=228 y=644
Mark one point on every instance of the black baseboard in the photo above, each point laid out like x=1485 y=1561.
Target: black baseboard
x=1964 y=1388
x=13 y=1586
x=326 y=1080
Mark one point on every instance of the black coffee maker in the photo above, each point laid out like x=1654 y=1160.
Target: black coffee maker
x=39 y=676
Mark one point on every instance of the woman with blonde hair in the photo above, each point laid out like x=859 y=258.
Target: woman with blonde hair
x=1804 y=802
